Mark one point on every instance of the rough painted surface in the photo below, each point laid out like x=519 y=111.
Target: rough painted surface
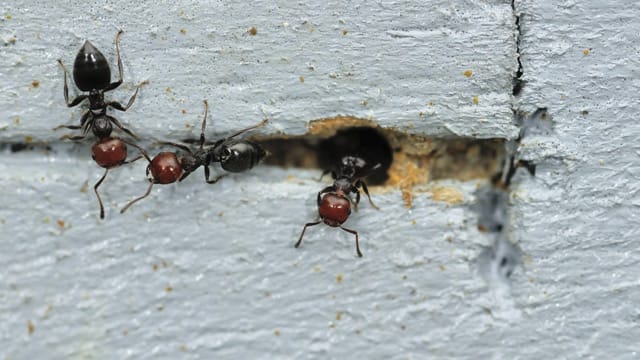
x=578 y=221
x=190 y=272
x=396 y=63
x=200 y=271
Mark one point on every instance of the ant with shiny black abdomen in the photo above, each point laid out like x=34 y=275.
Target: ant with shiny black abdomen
x=91 y=73
x=233 y=156
x=334 y=201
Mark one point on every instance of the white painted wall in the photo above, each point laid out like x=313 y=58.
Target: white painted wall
x=200 y=271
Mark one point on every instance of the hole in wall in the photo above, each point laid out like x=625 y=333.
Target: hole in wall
x=407 y=159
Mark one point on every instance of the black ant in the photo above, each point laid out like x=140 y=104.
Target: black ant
x=334 y=201
x=233 y=156
x=92 y=74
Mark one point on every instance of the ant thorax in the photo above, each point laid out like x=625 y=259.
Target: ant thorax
x=343 y=185
x=102 y=125
x=96 y=101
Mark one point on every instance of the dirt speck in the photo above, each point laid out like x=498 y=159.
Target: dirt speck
x=468 y=73
x=253 y=31
x=449 y=195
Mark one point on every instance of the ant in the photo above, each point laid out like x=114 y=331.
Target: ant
x=334 y=201
x=92 y=74
x=233 y=155
x=109 y=153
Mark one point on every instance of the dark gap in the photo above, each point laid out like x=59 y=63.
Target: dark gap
x=406 y=159
x=518 y=83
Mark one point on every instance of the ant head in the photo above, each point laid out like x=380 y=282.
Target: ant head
x=165 y=168
x=102 y=125
x=334 y=209
x=90 y=69
x=239 y=156
x=109 y=152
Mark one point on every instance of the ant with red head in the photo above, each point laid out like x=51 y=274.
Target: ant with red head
x=92 y=74
x=233 y=156
x=334 y=201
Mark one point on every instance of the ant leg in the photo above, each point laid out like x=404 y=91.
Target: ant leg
x=356 y=234
x=240 y=132
x=75 y=101
x=143 y=153
x=116 y=105
x=355 y=190
x=115 y=84
x=204 y=124
x=83 y=124
x=212 y=181
x=325 y=172
x=179 y=146
x=85 y=130
x=124 y=129
x=305 y=229
x=95 y=189
x=366 y=191
x=132 y=160
x=137 y=199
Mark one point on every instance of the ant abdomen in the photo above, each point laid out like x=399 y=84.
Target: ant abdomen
x=334 y=209
x=241 y=156
x=165 y=168
x=91 y=69
x=109 y=152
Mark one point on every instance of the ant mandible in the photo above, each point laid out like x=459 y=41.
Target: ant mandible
x=233 y=155
x=334 y=201
x=92 y=74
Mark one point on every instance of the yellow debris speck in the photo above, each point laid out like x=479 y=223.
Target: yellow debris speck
x=468 y=73
x=475 y=100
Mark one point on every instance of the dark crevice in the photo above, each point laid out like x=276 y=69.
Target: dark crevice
x=406 y=159
x=518 y=83
x=497 y=261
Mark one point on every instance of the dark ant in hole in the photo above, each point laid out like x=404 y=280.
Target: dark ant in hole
x=91 y=73
x=334 y=201
x=233 y=156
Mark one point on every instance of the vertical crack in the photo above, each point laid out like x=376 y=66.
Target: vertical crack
x=497 y=261
x=517 y=80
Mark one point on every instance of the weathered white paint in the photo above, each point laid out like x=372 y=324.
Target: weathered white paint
x=238 y=288
x=577 y=220
x=395 y=60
